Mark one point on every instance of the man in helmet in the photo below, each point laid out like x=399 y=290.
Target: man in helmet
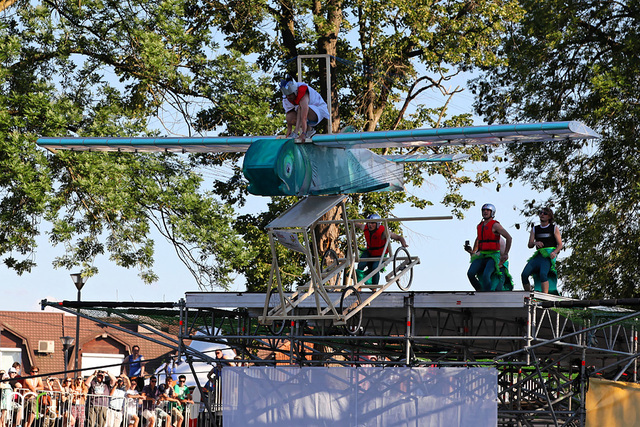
x=303 y=106
x=486 y=256
x=376 y=237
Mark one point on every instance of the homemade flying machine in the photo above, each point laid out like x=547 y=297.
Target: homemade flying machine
x=340 y=291
x=332 y=164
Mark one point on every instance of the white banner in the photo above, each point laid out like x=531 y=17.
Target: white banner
x=363 y=396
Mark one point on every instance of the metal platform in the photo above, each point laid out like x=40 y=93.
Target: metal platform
x=544 y=353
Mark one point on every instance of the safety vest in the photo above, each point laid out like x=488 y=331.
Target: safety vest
x=487 y=239
x=375 y=240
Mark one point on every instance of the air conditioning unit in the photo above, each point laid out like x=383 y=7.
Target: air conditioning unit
x=46 y=347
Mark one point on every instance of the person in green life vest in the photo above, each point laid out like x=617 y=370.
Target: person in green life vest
x=547 y=241
x=486 y=256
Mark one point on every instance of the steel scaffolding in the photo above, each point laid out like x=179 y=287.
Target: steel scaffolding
x=544 y=347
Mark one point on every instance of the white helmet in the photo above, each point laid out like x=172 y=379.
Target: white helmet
x=491 y=208
x=374 y=216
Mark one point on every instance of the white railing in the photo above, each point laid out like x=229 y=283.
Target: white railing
x=23 y=408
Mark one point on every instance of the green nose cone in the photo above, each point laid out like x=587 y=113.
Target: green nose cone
x=276 y=168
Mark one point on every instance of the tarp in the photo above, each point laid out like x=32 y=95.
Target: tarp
x=363 y=396
x=201 y=368
x=612 y=404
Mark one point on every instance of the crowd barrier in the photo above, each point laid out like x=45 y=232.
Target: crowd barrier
x=23 y=408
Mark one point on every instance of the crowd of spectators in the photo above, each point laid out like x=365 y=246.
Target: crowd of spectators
x=131 y=399
x=99 y=400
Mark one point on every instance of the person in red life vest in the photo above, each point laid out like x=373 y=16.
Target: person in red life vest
x=486 y=256
x=547 y=240
x=376 y=236
x=304 y=108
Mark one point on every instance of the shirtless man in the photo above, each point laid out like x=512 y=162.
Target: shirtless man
x=34 y=385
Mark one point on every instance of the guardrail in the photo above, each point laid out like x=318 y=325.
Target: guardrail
x=24 y=408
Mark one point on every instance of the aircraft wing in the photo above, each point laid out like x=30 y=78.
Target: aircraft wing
x=472 y=135
x=218 y=144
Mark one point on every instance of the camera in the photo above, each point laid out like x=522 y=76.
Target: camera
x=467 y=246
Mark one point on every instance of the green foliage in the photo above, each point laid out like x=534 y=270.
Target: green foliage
x=57 y=68
x=578 y=61
x=96 y=68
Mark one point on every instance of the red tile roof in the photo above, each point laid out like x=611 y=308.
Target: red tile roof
x=32 y=327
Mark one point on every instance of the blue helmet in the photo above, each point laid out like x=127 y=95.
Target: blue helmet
x=288 y=85
x=491 y=208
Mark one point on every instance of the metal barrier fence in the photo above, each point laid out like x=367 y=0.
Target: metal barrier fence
x=23 y=408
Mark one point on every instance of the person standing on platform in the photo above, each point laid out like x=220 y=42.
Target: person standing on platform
x=486 y=256
x=304 y=108
x=547 y=241
x=133 y=367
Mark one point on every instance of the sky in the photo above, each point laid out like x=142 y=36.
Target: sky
x=438 y=244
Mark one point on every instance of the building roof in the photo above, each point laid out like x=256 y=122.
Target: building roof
x=30 y=328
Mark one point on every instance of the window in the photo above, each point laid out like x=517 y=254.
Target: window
x=8 y=356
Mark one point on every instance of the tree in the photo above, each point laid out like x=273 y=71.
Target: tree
x=578 y=61
x=98 y=68
x=384 y=56
x=54 y=75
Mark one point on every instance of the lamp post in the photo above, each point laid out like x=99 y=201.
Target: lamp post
x=67 y=342
x=79 y=281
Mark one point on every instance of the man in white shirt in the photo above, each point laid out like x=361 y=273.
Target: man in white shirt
x=304 y=108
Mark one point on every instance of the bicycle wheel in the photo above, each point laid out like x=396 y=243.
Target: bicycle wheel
x=349 y=301
x=400 y=260
x=328 y=263
x=277 y=326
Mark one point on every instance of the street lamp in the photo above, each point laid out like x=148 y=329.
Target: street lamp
x=67 y=342
x=79 y=281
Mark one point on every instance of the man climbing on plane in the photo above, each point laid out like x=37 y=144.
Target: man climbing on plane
x=304 y=108
x=486 y=256
x=376 y=237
